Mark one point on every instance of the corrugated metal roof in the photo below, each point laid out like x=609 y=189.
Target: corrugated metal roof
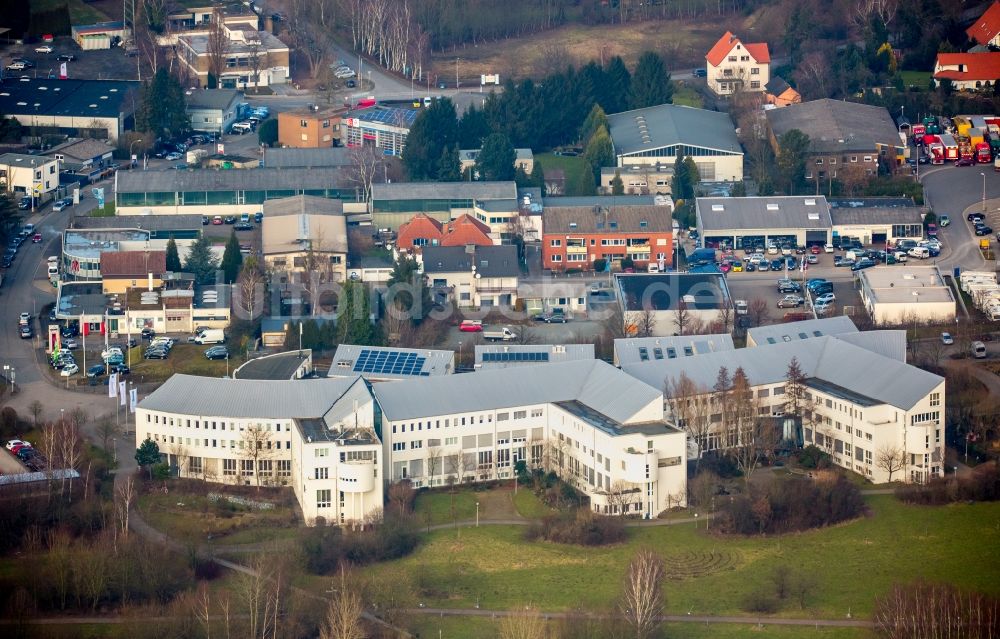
x=594 y=383
x=264 y=399
x=770 y=212
x=888 y=343
x=806 y=329
x=826 y=358
x=632 y=350
x=668 y=125
x=491 y=356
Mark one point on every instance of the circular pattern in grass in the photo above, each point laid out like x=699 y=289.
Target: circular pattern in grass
x=697 y=563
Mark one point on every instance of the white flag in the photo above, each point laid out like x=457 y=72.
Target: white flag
x=133 y=398
x=122 y=392
x=113 y=385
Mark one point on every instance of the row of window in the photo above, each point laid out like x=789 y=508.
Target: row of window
x=234 y=444
x=220 y=425
x=486 y=418
x=265 y=467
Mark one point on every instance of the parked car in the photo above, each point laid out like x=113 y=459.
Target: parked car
x=947 y=339
x=791 y=301
x=217 y=220
x=95 y=371
x=65 y=57
x=965 y=162
x=974 y=216
x=812 y=259
x=864 y=263
x=984 y=230
x=243 y=226
x=121 y=369
x=61 y=204
x=26 y=332
x=217 y=352
x=556 y=316
x=44 y=49
x=788 y=286
x=471 y=326
x=156 y=353
x=69 y=370
x=825 y=298
x=147 y=333
x=11 y=444
x=944 y=220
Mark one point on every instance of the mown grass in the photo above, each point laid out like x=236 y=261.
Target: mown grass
x=851 y=563
x=79 y=12
x=529 y=506
x=917 y=79
x=685 y=95
x=436 y=507
x=571 y=166
x=183 y=358
x=193 y=517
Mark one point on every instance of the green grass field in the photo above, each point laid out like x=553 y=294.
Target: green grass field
x=572 y=166
x=194 y=517
x=79 y=12
x=184 y=358
x=684 y=95
x=529 y=506
x=851 y=563
x=919 y=79
x=435 y=507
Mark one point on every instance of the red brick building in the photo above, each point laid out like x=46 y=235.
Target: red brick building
x=574 y=236
x=423 y=230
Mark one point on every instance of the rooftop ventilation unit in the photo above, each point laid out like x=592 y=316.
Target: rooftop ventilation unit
x=718 y=207
x=811 y=202
x=772 y=207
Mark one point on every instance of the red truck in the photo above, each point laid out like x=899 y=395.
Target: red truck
x=918 y=131
x=950 y=146
x=983 y=155
x=935 y=149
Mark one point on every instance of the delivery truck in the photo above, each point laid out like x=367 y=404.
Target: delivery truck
x=210 y=336
x=499 y=335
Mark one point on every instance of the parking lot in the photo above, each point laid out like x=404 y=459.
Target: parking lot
x=103 y=64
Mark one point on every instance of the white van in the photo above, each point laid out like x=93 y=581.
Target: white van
x=242 y=127
x=979 y=350
x=920 y=252
x=211 y=336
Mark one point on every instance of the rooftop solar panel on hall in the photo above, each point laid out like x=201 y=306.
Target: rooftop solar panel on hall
x=387 y=116
x=389 y=363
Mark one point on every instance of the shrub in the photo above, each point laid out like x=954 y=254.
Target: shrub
x=581 y=527
x=720 y=464
x=324 y=548
x=813 y=457
x=791 y=506
x=160 y=471
x=982 y=485
x=762 y=602
x=8 y=421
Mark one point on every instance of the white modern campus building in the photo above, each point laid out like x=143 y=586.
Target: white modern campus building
x=339 y=442
x=861 y=399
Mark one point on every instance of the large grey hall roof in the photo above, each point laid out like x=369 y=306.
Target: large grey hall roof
x=593 y=383
x=668 y=125
x=247 y=398
x=261 y=179
x=768 y=212
x=829 y=359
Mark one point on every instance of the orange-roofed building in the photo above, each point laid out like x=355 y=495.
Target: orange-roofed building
x=986 y=30
x=733 y=66
x=423 y=230
x=968 y=71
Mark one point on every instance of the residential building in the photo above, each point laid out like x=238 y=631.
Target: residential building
x=857 y=404
x=906 y=293
x=639 y=179
x=472 y=276
x=424 y=230
x=305 y=234
x=307 y=129
x=877 y=220
x=575 y=236
x=390 y=364
x=395 y=203
x=523 y=159
x=89 y=159
x=384 y=128
x=170 y=192
x=493 y=356
x=102 y=109
x=631 y=350
x=317 y=436
x=968 y=71
x=124 y=270
x=657 y=135
x=661 y=304
x=986 y=30
x=846 y=139
x=734 y=66
x=339 y=442
x=179 y=307
x=213 y=110
x=253 y=58
x=22 y=175
x=780 y=93
x=749 y=222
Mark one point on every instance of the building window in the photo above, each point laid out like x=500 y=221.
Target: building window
x=755 y=84
x=229 y=467
x=755 y=71
x=322 y=473
x=322 y=452
x=284 y=468
x=194 y=465
x=520 y=414
x=303 y=123
x=323 y=498
x=557 y=258
x=555 y=243
x=935 y=399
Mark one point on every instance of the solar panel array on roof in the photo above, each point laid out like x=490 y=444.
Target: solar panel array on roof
x=515 y=357
x=390 y=363
x=398 y=117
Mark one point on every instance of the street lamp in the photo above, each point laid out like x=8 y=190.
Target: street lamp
x=477 y=514
x=459 y=354
x=984 y=193
x=131 y=158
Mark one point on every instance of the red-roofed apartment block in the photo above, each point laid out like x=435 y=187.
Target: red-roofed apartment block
x=986 y=30
x=423 y=230
x=968 y=70
x=736 y=66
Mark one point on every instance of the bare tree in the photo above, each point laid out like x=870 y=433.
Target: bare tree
x=689 y=404
x=401 y=495
x=622 y=495
x=682 y=318
x=262 y=591
x=365 y=165
x=250 y=286
x=725 y=318
x=890 y=459
x=36 y=408
x=936 y=611
x=312 y=43
x=218 y=45
x=107 y=430
x=258 y=58
x=256 y=451
x=750 y=435
x=124 y=496
x=343 y=616
x=645 y=322
x=642 y=598
x=523 y=623
x=758 y=310
x=434 y=461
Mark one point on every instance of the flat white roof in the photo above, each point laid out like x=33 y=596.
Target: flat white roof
x=906 y=284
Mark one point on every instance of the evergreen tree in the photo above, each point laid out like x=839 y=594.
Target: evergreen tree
x=409 y=288
x=201 y=262
x=585 y=183
x=538 y=176
x=163 y=108
x=599 y=152
x=693 y=175
x=310 y=335
x=435 y=129
x=651 y=84
x=596 y=119
x=267 y=134
x=354 y=324
x=232 y=259
x=173 y=259
x=615 y=90
x=449 y=167
x=472 y=128
x=292 y=336
x=617 y=185
x=148 y=453
x=793 y=149
x=10 y=217
x=495 y=162
x=679 y=185
x=328 y=336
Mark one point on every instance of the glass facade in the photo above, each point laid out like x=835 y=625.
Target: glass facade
x=227 y=197
x=420 y=205
x=671 y=151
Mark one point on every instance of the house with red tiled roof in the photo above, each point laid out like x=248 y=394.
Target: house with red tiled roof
x=423 y=230
x=986 y=30
x=122 y=270
x=733 y=65
x=968 y=71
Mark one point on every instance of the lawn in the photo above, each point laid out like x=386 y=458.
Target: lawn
x=477 y=628
x=918 y=79
x=572 y=166
x=193 y=517
x=529 y=506
x=433 y=508
x=79 y=12
x=183 y=358
x=851 y=563
x=686 y=95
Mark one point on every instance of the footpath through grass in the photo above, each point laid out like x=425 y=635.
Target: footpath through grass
x=850 y=563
